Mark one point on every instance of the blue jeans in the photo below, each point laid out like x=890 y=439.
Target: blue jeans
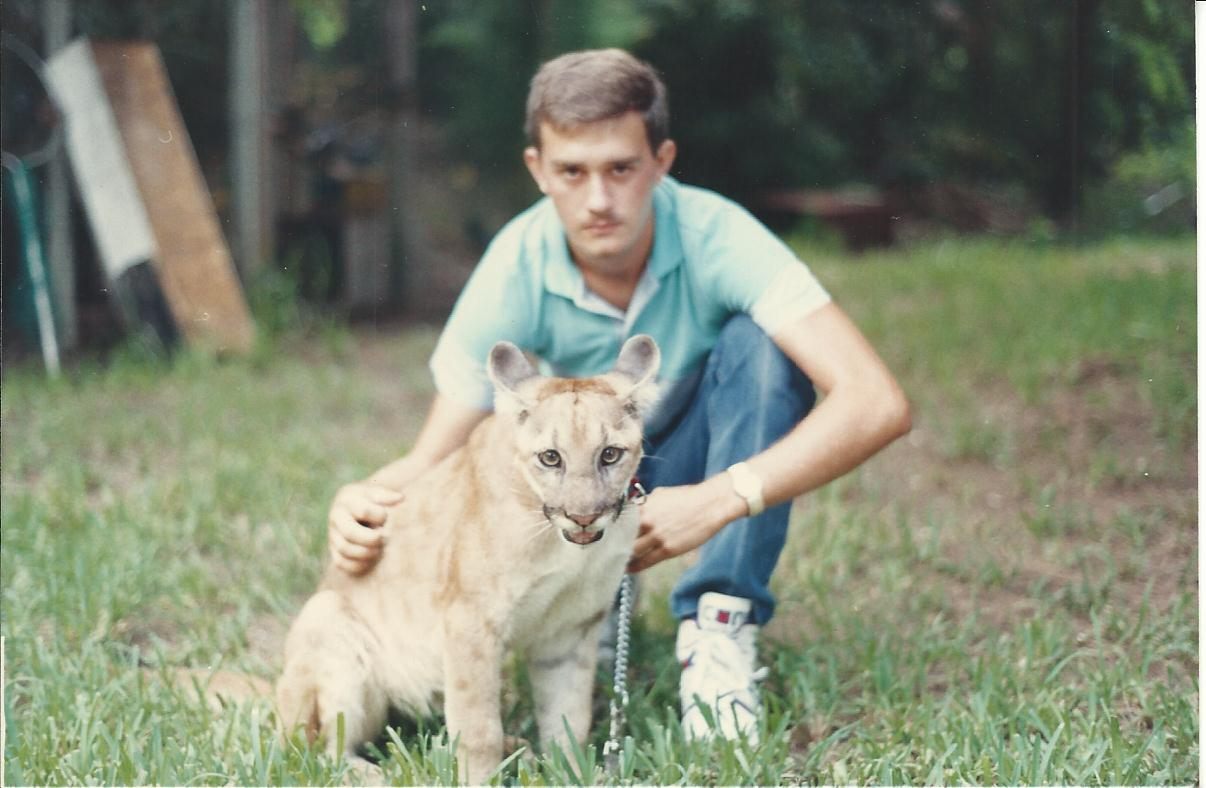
x=750 y=395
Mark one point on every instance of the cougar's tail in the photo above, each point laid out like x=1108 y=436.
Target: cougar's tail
x=221 y=688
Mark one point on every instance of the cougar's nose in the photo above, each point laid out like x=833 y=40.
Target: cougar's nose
x=583 y=519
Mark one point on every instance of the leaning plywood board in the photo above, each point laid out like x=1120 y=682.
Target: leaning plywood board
x=190 y=258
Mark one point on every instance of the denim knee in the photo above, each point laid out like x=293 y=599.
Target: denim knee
x=745 y=355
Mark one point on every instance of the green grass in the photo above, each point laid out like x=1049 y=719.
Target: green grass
x=1008 y=595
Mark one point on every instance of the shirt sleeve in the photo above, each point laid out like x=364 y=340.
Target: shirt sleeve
x=759 y=275
x=794 y=293
x=494 y=305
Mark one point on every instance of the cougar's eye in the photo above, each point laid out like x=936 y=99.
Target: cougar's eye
x=611 y=455
x=549 y=458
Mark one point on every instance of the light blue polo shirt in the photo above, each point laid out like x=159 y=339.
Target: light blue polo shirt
x=710 y=261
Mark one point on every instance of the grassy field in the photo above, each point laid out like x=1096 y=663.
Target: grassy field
x=1008 y=595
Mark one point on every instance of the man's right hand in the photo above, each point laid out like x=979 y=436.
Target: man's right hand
x=354 y=532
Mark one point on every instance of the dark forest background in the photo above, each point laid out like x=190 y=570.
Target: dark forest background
x=1062 y=121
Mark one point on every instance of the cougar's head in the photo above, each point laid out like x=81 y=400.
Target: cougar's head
x=577 y=440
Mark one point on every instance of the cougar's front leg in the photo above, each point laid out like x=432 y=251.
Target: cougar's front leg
x=473 y=652
x=563 y=677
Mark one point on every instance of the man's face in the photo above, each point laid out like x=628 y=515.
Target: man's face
x=600 y=177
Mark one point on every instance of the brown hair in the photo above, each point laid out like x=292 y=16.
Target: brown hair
x=597 y=84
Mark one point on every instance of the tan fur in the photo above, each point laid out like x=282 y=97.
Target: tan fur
x=476 y=564
x=221 y=687
x=574 y=385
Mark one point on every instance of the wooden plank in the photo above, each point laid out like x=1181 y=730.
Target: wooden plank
x=193 y=263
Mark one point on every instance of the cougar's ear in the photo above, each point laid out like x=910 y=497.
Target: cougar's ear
x=508 y=368
x=638 y=364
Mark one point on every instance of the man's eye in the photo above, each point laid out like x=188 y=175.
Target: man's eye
x=549 y=458
x=611 y=455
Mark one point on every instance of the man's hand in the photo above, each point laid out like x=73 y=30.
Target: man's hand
x=863 y=410
x=354 y=525
x=675 y=520
x=359 y=509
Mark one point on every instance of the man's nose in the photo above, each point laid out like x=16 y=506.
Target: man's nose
x=599 y=196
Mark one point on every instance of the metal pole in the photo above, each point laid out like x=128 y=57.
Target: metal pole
x=31 y=241
x=60 y=244
x=247 y=98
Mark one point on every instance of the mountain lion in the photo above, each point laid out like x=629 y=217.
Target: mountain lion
x=517 y=540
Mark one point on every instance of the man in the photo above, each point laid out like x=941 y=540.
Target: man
x=616 y=248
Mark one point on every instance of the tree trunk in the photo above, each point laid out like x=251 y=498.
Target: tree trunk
x=251 y=208
x=60 y=246
x=1064 y=191
x=412 y=277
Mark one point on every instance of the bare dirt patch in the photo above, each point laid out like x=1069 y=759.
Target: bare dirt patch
x=1082 y=497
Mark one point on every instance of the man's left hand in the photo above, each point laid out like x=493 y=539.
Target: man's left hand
x=675 y=520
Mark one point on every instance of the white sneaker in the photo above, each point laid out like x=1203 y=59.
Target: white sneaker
x=717 y=652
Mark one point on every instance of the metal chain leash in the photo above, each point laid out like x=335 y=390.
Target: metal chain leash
x=619 y=675
x=619 y=698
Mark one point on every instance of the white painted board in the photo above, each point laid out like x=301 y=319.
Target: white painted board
x=116 y=213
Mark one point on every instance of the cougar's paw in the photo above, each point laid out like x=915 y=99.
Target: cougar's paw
x=364 y=772
x=511 y=744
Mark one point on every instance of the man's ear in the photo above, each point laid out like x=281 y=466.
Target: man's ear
x=665 y=156
x=531 y=157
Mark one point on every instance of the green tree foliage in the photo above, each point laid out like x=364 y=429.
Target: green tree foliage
x=785 y=94
x=1045 y=97
x=477 y=59
x=1144 y=64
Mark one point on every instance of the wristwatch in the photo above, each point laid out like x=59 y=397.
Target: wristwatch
x=748 y=485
